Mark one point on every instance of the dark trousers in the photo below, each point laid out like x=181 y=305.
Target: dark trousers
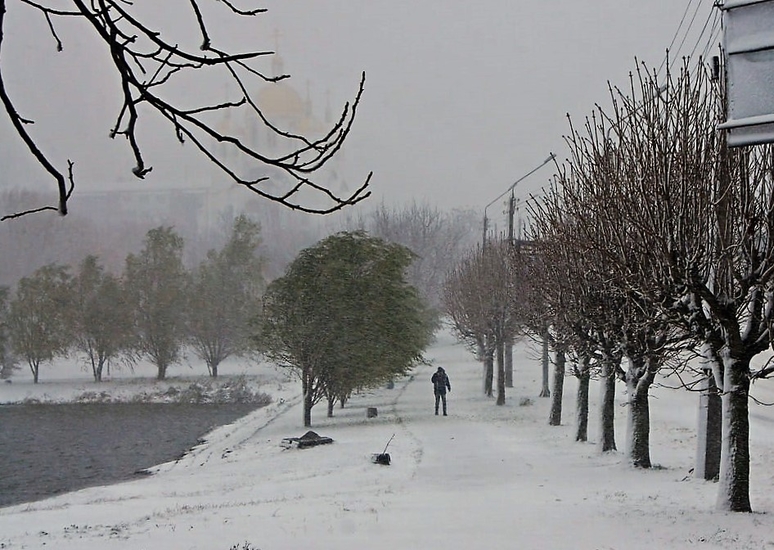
x=440 y=396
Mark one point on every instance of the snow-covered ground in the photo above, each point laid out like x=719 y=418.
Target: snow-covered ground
x=483 y=477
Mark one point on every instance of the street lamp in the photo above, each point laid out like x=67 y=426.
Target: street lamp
x=510 y=189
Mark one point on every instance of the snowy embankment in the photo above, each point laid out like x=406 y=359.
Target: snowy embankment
x=485 y=476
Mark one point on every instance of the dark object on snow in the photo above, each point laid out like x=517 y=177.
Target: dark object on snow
x=383 y=458
x=372 y=412
x=309 y=439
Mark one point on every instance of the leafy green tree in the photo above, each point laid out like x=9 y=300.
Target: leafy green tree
x=8 y=362
x=102 y=320
x=225 y=294
x=156 y=283
x=344 y=317
x=38 y=319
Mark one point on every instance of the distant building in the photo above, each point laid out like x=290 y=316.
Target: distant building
x=199 y=207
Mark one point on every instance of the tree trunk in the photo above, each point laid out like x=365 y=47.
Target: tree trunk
x=638 y=381
x=480 y=350
x=95 y=369
x=331 y=404
x=607 y=406
x=489 y=373
x=500 y=349
x=555 y=416
x=734 y=489
x=306 y=388
x=214 y=370
x=35 y=369
x=162 y=371
x=582 y=403
x=545 y=392
x=509 y=364
x=98 y=370
x=710 y=427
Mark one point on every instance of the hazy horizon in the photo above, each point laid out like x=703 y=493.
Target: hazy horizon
x=459 y=102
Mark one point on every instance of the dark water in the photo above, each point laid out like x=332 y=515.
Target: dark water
x=51 y=449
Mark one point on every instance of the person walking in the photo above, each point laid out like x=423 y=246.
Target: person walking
x=441 y=383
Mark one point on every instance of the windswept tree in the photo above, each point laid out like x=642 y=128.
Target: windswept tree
x=38 y=319
x=224 y=295
x=101 y=319
x=152 y=63
x=156 y=283
x=344 y=318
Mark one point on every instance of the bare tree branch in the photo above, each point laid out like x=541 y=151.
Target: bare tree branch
x=147 y=64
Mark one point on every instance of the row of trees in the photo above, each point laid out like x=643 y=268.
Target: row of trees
x=666 y=237
x=654 y=244
x=343 y=316
x=155 y=310
x=485 y=297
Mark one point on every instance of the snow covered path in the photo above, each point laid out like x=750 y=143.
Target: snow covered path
x=484 y=476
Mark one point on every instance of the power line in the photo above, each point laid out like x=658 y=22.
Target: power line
x=551 y=157
x=693 y=19
x=714 y=34
x=712 y=14
x=677 y=32
x=510 y=189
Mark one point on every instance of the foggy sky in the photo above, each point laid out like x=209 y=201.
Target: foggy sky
x=461 y=98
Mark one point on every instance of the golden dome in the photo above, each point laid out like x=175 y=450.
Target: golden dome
x=279 y=101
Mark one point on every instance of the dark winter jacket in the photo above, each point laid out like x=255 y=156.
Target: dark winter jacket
x=440 y=382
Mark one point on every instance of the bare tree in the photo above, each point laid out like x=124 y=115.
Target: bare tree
x=437 y=238
x=149 y=66
x=697 y=238
x=580 y=309
x=484 y=297
x=707 y=215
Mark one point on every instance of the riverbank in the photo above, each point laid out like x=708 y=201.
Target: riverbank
x=483 y=476
x=50 y=449
x=67 y=381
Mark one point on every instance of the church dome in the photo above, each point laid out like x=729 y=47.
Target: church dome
x=279 y=101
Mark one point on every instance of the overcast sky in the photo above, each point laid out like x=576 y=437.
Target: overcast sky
x=461 y=100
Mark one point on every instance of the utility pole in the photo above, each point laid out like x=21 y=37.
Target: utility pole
x=510 y=189
x=508 y=346
x=511 y=212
